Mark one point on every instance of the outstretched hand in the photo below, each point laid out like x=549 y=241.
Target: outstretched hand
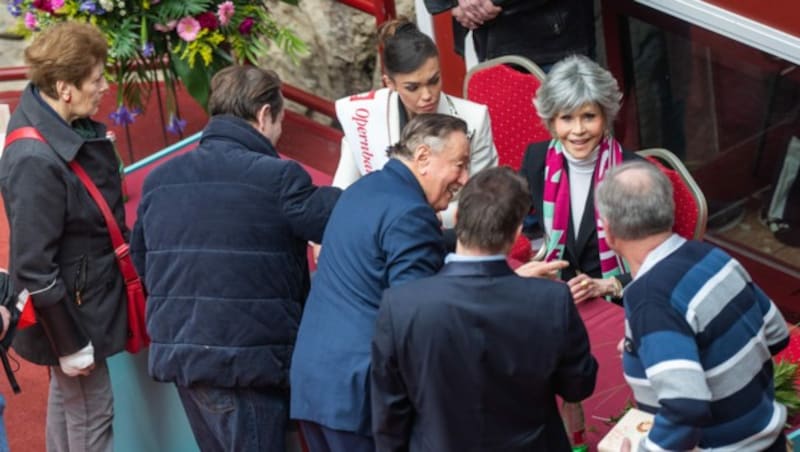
x=538 y=269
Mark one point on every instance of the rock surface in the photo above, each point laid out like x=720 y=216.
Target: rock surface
x=343 y=56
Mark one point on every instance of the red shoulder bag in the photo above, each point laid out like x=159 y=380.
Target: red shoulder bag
x=137 y=331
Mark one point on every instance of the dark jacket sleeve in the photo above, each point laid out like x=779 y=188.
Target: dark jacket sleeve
x=439 y=6
x=306 y=206
x=577 y=370
x=34 y=193
x=392 y=412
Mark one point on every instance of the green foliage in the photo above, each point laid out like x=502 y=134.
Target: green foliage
x=786 y=386
x=167 y=10
x=173 y=40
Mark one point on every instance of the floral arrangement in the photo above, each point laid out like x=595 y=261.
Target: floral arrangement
x=168 y=40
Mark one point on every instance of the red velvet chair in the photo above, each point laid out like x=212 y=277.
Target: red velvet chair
x=508 y=93
x=691 y=211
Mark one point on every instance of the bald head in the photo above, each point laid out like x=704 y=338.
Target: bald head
x=635 y=199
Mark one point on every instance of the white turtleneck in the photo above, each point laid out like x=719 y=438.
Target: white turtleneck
x=581 y=173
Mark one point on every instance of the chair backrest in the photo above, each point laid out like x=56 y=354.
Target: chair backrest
x=508 y=93
x=691 y=210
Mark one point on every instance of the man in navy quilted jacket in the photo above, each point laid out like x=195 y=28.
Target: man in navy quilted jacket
x=221 y=243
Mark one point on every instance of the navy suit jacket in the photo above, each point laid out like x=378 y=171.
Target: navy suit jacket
x=381 y=233
x=471 y=360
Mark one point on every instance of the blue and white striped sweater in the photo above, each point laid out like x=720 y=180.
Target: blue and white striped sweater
x=699 y=340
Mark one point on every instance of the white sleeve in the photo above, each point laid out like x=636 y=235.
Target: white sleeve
x=347 y=171
x=483 y=153
x=72 y=364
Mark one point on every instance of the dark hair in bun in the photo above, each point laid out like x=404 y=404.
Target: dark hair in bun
x=404 y=48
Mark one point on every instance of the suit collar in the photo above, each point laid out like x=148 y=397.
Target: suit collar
x=482 y=268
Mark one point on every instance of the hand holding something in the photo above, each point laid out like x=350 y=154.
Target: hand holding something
x=584 y=287
x=538 y=269
x=78 y=363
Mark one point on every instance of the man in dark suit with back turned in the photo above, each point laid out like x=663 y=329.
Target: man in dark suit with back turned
x=473 y=357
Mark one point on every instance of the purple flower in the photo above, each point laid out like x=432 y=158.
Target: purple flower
x=91 y=7
x=148 y=49
x=14 y=9
x=176 y=125
x=123 y=116
x=246 y=25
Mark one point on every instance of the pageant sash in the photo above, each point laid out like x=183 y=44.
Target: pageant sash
x=364 y=119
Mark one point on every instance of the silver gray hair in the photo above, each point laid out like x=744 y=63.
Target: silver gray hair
x=574 y=82
x=635 y=199
x=432 y=129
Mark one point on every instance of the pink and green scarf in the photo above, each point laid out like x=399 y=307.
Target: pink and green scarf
x=556 y=210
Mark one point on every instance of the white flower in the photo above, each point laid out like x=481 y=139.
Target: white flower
x=107 y=5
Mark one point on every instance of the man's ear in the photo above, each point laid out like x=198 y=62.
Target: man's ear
x=264 y=117
x=422 y=157
x=611 y=239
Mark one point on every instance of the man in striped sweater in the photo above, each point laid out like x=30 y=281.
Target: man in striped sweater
x=699 y=334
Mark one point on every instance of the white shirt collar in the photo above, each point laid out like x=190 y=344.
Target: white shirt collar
x=660 y=252
x=453 y=257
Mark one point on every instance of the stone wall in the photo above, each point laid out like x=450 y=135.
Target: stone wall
x=10 y=49
x=342 y=55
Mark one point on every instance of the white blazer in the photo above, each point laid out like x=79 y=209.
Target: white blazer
x=483 y=154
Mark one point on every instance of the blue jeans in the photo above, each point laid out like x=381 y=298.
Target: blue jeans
x=323 y=439
x=236 y=419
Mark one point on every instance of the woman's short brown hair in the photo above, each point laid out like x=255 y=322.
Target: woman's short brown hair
x=241 y=91
x=67 y=51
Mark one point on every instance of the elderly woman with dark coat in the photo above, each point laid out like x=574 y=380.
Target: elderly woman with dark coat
x=578 y=101
x=60 y=247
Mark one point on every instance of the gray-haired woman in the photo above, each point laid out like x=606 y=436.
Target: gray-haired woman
x=578 y=102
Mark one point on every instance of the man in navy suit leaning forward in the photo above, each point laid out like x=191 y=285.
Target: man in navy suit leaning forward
x=473 y=357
